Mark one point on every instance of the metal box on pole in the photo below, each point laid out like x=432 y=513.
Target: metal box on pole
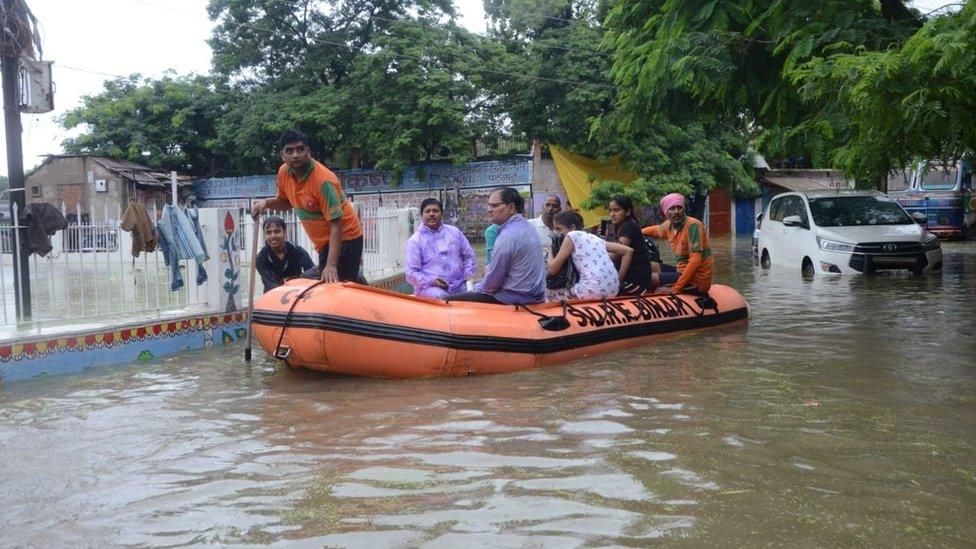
x=36 y=86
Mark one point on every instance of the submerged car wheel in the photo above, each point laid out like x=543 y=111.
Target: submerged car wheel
x=969 y=233
x=764 y=261
x=807 y=269
x=918 y=269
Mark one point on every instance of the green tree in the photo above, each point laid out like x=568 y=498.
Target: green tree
x=734 y=60
x=173 y=119
x=393 y=80
x=686 y=156
x=265 y=41
x=568 y=97
x=251 y=126
x=882 y=110
x=434 y=72
x=552 y=80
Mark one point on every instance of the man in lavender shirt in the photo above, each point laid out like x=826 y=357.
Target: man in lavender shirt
x=439 y=258
x=516 y=273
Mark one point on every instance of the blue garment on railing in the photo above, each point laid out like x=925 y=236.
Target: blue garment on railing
x=194 y=216
x=179 y=241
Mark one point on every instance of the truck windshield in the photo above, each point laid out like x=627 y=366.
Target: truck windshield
x=846 y=211
x=938 y=179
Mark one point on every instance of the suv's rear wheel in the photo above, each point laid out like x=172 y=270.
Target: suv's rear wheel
x=764 y=260
x=807 y=269
x=969 y=233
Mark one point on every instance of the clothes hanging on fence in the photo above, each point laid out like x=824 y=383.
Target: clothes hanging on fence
x=41 y=221
x=178 y=241
x=193 y=214
x=136 y=221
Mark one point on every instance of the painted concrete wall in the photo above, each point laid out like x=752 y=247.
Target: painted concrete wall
x=545 y=181
x=29 y=356
x=36 y=356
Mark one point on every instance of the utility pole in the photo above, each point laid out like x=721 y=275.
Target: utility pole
x=15 y=153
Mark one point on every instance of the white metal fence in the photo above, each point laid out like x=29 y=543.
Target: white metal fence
x=385 y=233
x=91 y=275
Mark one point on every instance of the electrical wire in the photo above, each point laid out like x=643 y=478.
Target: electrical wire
x=79 y=69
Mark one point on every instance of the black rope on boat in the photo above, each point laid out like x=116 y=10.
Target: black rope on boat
x=702 y=299
x=549 y=323
x=284 y=325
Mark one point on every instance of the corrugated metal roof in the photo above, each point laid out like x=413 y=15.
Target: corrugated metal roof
x=142 y=175
x=805 y=180
x=117 y=165
x=793 y=182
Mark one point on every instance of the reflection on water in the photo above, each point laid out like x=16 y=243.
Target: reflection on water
x=843 y=415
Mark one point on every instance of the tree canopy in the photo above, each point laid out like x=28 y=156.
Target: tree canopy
x=169 y=123
x=391 y=81
x=882 y=110
x=683 y=93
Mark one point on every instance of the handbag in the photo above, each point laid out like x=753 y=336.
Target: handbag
x=652 y=250
x=568 y=275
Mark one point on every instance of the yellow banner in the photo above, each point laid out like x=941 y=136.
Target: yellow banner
x=579 y=173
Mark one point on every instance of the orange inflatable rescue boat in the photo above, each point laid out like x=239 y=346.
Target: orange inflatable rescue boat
x=358 y=330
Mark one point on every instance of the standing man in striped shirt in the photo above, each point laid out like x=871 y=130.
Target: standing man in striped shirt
x=326 y=214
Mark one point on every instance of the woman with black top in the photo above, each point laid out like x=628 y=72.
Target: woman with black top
x=640 y=278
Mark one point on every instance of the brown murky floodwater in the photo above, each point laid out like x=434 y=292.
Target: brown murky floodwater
x=845 y=414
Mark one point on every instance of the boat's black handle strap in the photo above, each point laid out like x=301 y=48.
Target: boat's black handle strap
x=702 y=299
x=278 y=353
x=528 y=310
x=549 y=323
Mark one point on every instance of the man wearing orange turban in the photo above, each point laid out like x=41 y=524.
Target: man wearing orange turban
x=689 y=241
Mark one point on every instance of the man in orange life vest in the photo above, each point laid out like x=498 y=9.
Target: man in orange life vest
x=319 y=202
x=690 y=245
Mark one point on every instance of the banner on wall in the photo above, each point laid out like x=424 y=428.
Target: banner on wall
x=512 y=172
x=223 y=188
x=495 y=173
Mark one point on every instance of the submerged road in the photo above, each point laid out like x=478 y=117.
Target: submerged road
x=844 y=414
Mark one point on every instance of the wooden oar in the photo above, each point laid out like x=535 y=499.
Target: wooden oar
x=254 y=268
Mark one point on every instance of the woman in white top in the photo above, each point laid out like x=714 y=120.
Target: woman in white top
x=598 y=277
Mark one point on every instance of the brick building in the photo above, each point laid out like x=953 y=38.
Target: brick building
x=97 y=184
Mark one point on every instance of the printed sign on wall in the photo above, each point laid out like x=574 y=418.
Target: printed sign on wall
x=419 y=177
x=252 y=186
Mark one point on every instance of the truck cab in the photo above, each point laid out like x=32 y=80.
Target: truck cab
x=942 y=193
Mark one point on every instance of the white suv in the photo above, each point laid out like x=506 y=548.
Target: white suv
x=836 y=231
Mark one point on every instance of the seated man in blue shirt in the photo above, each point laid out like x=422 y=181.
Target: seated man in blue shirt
x=516 y=273
x=279 y=259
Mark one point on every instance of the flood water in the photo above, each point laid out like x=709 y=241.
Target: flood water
x=844 y=414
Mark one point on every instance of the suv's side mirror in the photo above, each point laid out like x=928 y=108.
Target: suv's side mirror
x=792 y=221
x=920 y=218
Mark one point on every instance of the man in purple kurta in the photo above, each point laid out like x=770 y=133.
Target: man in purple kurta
x=439 y=259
